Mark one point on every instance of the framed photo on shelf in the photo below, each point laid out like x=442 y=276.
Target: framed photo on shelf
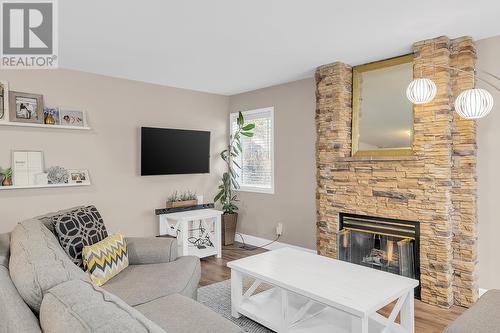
x=51 y=115
x=4 y=100
x=25 y=166
x=78 y=176
x=72 y=118
x=25 y=107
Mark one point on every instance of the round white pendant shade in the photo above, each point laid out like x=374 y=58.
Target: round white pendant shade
x=474 y=103
x=421 y=91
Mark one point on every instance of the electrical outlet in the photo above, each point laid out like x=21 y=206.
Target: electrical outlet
x=279 y=229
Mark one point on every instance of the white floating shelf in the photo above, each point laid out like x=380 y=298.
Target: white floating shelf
x=14 y=187
x=16 y=124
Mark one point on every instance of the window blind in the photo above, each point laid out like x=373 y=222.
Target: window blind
x=256 y=160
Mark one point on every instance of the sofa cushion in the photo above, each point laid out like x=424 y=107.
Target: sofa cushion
x=37 y=262
x=4 y=250
x=151 y=250
x=78 y=228
x=15 y=315
x=185 y=315
x=105 y=259
x=77 y=306
x=138 y=284
x=482 y=317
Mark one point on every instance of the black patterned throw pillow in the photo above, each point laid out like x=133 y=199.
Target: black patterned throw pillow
x=78 y=228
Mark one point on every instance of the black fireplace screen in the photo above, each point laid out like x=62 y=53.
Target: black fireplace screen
x=385 y=244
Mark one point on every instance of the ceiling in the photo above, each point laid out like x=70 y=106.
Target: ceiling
x=233 y=46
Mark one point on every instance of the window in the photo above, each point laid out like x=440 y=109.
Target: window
x=257 y=159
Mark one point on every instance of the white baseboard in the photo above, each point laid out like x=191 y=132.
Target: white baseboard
x=257 y=241
x=482 y=291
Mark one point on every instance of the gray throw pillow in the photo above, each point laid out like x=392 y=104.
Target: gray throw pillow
x=80 y=227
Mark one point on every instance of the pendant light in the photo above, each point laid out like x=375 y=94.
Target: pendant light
x=421 y=91
x=474 y=103
x=470 y=104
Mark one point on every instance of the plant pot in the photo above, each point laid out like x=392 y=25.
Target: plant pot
x=177 y=204
x=229 y=222
x=7 y=181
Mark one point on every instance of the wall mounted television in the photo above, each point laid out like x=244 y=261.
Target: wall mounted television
x=166 y=151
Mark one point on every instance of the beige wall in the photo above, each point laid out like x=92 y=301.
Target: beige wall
x=293 y=202
x=116 y=110
x=488 y=166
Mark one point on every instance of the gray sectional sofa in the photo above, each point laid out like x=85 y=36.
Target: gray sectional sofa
x=482 y=317
x=42 y=290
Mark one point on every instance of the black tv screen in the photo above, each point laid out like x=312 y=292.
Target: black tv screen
x=174 y=151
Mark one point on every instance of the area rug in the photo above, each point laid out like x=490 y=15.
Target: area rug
x=217 y=296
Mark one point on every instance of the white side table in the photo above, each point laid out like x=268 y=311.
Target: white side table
x=179 y=225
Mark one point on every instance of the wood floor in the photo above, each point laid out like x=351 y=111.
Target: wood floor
x=428 y=319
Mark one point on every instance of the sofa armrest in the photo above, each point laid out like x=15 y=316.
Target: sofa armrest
x=151 y=250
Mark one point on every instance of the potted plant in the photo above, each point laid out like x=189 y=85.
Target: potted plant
x=7 y=177
x=227 y=190
x=185 y=199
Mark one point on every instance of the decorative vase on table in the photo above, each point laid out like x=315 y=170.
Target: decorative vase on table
x=6 y=176
x=7 y=181
x=185 y=203
x=229 y=222
x=49 y=119
x=57 y=175
x=185 y=199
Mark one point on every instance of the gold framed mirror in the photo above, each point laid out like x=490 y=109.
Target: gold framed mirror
x=382 y=121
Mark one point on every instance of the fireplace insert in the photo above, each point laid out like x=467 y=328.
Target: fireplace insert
x=385 y=244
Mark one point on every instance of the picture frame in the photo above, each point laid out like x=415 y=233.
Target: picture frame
x=78 y=176
x=71 y=117
x=4 y=100
x=25 y=107
x=54 y=113
x=25 y=166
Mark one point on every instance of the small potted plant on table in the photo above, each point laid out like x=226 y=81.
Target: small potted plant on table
x=185 y=199
x=7 y=177
x=227 y=190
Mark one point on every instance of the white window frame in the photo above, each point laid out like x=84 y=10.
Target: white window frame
x=258 y=189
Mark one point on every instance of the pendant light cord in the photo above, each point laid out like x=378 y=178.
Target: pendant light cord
x=473 y=74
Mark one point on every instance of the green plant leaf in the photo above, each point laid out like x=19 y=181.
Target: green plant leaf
x=237 y=165
x=247 y=134
x=240 y=121
x=248 y=127
x=223 y=155
x=218 y=196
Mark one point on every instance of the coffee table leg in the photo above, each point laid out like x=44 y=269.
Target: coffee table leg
x=284 y=311
x=408 y=313
x=359 y=325
x=218 y=236
x=236 y=292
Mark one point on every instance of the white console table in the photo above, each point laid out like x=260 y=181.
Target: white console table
x=179 y=225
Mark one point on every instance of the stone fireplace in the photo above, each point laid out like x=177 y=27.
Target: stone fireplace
x=435 y=187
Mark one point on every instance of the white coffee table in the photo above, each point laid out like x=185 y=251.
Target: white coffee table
x=312 y=293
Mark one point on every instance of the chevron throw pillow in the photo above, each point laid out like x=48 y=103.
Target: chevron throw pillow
x=105 y=259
